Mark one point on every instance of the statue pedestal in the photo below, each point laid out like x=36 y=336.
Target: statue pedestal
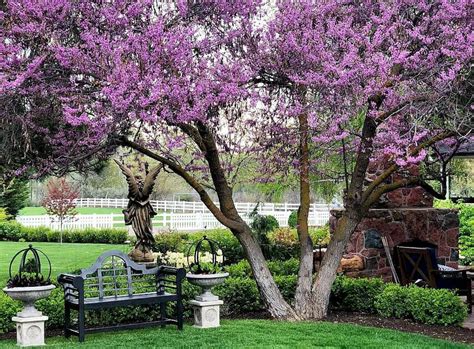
x=206 y=314
x=142 y=257
x=29 y=330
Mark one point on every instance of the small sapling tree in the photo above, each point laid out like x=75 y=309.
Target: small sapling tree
x=60 y=203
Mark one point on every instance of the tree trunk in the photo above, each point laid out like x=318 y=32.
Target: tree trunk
x=303 y=290
x=271 y=295
x=327 y=272
x=61 y=230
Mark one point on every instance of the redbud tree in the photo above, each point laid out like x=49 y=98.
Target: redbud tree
x=60 y=202
x=212 y=87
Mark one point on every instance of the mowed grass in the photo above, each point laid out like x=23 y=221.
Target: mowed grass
x=254 y=334
x=64 y=257
x=36 y=211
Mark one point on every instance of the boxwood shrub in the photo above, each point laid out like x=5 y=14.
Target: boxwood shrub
x=356 y=294
x=14 y=231
x=425 y=305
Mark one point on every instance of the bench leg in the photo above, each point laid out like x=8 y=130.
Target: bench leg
x=469 y=300
x=163 y=314
x=81 y=325
x=67 y=320
x=180 y=310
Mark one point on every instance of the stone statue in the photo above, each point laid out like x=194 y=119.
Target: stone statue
x=139 y=211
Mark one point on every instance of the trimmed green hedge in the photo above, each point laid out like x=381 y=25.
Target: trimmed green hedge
x=14 y=231
x=356 y=294
x=425 y=305
x=241 y=297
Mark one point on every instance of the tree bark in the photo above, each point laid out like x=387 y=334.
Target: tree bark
x=327 y=272
x=271 y=295
x=303 y=290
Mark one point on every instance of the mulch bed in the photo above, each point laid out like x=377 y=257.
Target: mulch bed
x=449 y=333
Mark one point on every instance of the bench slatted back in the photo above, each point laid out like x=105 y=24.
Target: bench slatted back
x=114 y=274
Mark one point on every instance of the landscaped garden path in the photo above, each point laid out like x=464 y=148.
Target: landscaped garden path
x=255 y=334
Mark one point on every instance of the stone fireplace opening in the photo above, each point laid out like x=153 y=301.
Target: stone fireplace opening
x=404 y=221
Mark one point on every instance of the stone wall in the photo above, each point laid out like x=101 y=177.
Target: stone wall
x=436 y=226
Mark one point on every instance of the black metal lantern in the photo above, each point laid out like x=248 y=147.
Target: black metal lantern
x=198 y=246
x=30 y=272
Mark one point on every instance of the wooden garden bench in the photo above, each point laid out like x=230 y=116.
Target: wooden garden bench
x=114 y=280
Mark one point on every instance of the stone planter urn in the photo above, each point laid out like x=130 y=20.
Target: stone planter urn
x=28 y=286
x=206 y=282
x=206 y=273
x=29 y=295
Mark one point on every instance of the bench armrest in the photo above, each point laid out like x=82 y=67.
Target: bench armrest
x=180 y=273
x=72 y=281
x=459 y=274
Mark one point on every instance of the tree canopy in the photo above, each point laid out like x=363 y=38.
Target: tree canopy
x=208 y=88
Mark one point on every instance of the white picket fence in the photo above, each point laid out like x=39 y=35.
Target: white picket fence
x=77 y=222
x=196 y=206
x=174 y=215
x=166 y=220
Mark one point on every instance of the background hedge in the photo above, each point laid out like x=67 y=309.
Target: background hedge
x=14 y=231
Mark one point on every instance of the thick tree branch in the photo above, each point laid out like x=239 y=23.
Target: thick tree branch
x=394 y=167
x=205 y=198
x=223 y=190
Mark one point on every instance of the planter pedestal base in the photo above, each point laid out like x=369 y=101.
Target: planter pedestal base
x=206 y=314
x=29 y=330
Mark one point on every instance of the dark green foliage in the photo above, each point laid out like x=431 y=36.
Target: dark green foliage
x=13 y=231
x=240 y=296
x=431 y=306
x=228 y=243
x=53 y=306
x=287 y=267
x=205 y=268
x=27 y=280
x=356 y=294
x=425 y=305
x=13 y=195
x=393 y=302
x=8 y=308
x=466 y=233
x=261 y=226
x=240 y=270
x=165 y=242
x=293 y=219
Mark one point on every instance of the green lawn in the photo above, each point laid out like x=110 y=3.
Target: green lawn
x=255 y=334
x=64 y=258
x=34 y=211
